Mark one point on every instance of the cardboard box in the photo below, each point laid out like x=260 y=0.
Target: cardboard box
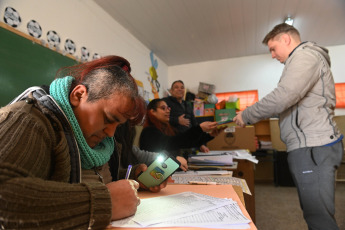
x=209 y=111
x=225 y=114
x=198 y=108
x=206 y=88
x=209 y=106
x=234 y=138
x=233 y=105
x=202 y=95
x=220 y=105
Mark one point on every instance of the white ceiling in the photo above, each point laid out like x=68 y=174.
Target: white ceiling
x=189 y=31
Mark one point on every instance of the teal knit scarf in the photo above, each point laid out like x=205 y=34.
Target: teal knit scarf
x=98 y=156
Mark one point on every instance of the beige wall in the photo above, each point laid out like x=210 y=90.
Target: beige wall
x=247 y=73
x=88 y=25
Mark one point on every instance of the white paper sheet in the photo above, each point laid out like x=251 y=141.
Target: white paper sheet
x=187 y=209
x=203 y=172
x=226 y=215
x=184 y=179
x=236 y=154
x=159 y=209
x=204 y=159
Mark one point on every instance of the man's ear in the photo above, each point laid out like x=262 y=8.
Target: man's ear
x=287 y=39
x=78 y=93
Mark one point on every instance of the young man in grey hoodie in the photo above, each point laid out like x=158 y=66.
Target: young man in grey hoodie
x=304 y=100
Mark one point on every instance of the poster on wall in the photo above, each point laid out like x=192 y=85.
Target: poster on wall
x=140 y=87
x=153 y=78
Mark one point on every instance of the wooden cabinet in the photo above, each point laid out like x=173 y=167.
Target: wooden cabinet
x=262 y=130
x=268 y=130
x=277 y=143
x=264 y=170
x=340 y=175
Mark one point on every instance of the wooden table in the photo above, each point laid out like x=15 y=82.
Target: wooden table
x=245 y=170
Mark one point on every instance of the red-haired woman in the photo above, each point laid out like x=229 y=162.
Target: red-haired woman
x=159 y=136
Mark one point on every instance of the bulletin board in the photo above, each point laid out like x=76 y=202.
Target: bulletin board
x=24 y=62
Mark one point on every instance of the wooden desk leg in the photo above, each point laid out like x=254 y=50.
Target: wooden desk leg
x=245 y=170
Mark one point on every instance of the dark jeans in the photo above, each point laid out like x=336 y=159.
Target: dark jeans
x=313 y=171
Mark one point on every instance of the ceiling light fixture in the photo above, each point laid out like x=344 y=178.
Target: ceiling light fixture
x=289 y=21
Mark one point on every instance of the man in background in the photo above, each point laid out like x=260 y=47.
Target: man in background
x=304 y=100
x=181 y=113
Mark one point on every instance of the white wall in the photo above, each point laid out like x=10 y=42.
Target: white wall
x=236 y=74
x=88 y=25
x=246 y=73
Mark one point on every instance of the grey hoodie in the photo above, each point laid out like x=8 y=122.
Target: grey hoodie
x=304 y=100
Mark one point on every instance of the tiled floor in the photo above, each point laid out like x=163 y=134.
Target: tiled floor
x=277 y=208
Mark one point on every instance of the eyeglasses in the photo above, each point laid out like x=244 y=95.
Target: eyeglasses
x=163 y=107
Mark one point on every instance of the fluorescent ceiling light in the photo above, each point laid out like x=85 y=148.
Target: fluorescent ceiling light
x=289 y=21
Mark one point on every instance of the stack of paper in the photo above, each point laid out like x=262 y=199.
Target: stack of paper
x=220 y=179
x=211 y=159
x=213 y=167
x=189 y=210
x=266 y=145
x=235 y=154
x=203 y=172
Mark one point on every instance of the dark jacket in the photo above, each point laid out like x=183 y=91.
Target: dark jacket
x=177 y=109
x=153 y=140
x=39 y=160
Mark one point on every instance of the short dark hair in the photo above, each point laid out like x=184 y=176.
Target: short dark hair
x=102 y=77
x=172 y=85
x=103 y=82
x=279 y=29
x=105 y=76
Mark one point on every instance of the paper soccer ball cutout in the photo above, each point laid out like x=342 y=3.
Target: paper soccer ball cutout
x=12 y=17
x=70 y=46
x=53 y=38
x=96 y=56
x=34 y=29
x=85 y=54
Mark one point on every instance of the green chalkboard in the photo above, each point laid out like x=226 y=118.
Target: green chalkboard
x=25 y=63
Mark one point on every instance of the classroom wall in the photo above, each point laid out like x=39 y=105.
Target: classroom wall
x=246 y=73
x=88 y=25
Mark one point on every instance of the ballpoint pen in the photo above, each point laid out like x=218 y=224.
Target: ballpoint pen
x=203 y=182
x=128 y=171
